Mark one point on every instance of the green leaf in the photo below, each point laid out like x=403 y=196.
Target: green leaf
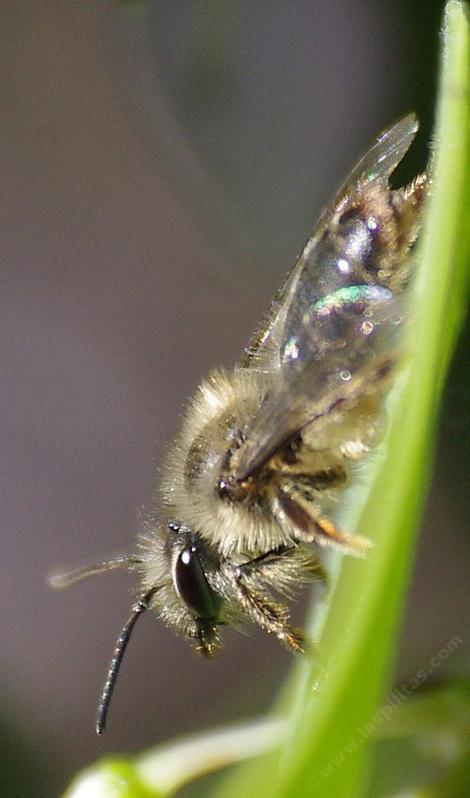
x=421 y=747
x=111 y=778
x=162 y=771
x=445 y=710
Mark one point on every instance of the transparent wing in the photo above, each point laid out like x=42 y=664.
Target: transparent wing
x=349 y=345
x=376 y=164
x=326 y=340
x=384 y=156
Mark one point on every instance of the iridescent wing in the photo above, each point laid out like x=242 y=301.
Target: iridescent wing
x=378 y=163
x=326 y=340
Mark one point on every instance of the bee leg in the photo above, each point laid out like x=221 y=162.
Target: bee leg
x=286 y=567
x=265 y=559
x=329 y=534
x=271 y=617
x=312 y=527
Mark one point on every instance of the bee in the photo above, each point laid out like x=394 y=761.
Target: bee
x=248 y=488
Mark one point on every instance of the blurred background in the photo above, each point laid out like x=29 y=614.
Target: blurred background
x=162 y=165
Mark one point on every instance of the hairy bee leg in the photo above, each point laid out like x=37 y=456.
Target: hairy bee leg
x=319 y=530
x=270 y=617
x=285 y=568
x=257 y=563
x=355 y=544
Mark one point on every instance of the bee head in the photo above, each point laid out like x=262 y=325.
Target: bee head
x=189 y=557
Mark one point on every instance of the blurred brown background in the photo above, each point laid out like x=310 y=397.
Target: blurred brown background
x=162 y=164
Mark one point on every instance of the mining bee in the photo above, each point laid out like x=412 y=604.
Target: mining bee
x=246 y=497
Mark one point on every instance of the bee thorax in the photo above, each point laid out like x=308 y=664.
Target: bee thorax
x=230 y=489
x=199 y=485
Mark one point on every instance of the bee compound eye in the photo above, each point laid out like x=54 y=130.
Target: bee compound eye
x=192 y=586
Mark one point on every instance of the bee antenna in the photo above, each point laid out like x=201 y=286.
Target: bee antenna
x=62 y=580
x=138 y=608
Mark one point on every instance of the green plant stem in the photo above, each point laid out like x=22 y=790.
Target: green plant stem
x=164 y=770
